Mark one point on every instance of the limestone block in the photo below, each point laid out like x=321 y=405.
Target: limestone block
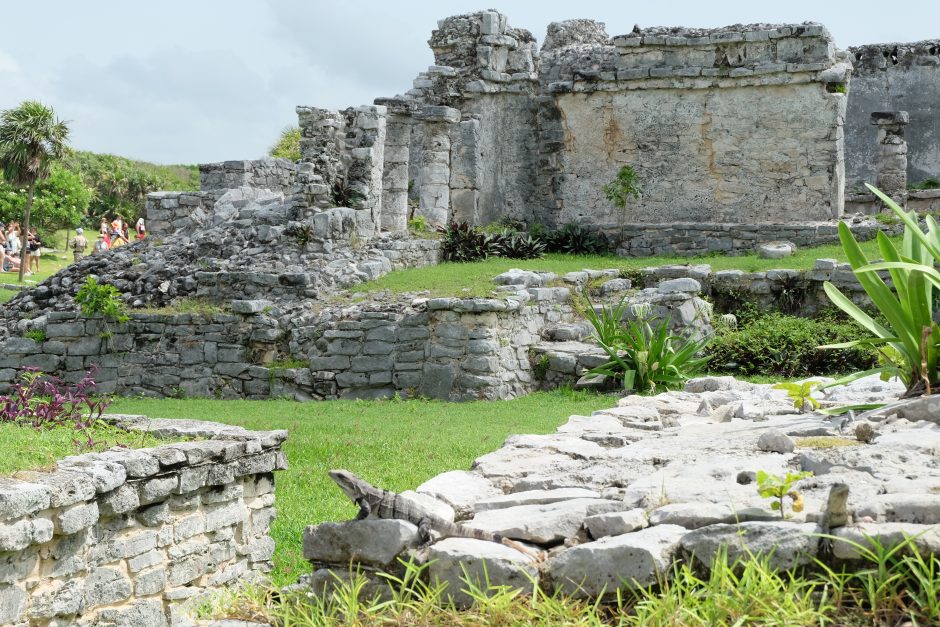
x=611 y=563
x=76 y=517
x=18 y=498
x=542 y=524
x=460 y=489
x=775 y=441
x=533 y=497
x=916 y=508
x=372 y=541
x=925 y=537
x=692 y=515
x=19 y=535
x=776 y=250
x=615 y=523
x=791 y=544
x=454 y=560
x=104 y=586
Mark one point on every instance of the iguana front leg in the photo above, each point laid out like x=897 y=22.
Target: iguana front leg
x=364 y=508
x=424 y=531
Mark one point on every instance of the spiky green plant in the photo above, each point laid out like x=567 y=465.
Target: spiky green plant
x=909 y=340
x=31 y=139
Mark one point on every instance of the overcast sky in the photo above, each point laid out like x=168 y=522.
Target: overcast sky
x=187 y=81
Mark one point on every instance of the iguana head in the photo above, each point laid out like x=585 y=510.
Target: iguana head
x=348 y=483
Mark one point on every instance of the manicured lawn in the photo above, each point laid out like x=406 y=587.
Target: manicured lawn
x=476 y=279
x=394 y=444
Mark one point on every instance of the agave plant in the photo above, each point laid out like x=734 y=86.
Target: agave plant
x=518 y=246
x=909 y=340
x=641 y=355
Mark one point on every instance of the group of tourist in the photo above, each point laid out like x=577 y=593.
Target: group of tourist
x=11 y=245
x=110 y=235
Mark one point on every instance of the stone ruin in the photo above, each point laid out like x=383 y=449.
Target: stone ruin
x=736 y=133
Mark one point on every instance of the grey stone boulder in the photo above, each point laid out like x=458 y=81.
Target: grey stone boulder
x=534 y=497
x=515 y=276
x=542 y=524
x=18 y=498
x=615 y=523
x=692 y=515
x=683 y=285
x=776 y=250
x=788 y=544
x=455 y=560
x=460 y=489
x=429 y=504
x=250 y=306
x=775 y=441
x=374 y=542
x=849 y=538
x=616 y=562
x=916 y=508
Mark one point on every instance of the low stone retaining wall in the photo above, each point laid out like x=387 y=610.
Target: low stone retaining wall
x=689 y=239
x=277 y=175
x=125 y=537
x=445 y=348
x=921 y=201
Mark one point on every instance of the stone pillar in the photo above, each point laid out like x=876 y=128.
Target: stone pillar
x=434 y=168
x=892 y=160
x=397 y=156
x=466 y=172
x=365 y=138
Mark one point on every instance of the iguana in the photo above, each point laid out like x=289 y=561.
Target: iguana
x=835 y=515
x=379 y=503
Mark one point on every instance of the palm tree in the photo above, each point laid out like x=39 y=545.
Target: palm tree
x=31 y=138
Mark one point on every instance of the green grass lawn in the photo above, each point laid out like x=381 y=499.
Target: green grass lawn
x=476 y=279
x=394 y=444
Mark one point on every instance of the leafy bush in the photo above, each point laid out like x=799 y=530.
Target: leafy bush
x=44 y=402
x=643 y=357
x=101 y=299
x=61 y=201
x=776 y=487
x=909 y=338
x=288 y=145
x=928 y=183
x=786 y=346
x=463 y=242
x=121 y=185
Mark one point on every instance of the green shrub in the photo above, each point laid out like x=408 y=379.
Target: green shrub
x=645 y=358
x=101 y=299
x=572 y=239
x=36 y=335
x=287 y=145
x=517 y=246
x=463 y=242
x=787 y=346
x=908 y=338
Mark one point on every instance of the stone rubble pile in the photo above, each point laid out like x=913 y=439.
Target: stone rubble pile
x=616 y=497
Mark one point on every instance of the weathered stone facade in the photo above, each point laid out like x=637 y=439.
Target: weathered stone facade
x=891 y=77
x=125 y=537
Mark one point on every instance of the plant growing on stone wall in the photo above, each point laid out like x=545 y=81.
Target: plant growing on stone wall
x=909 y=338
x=302 y=233
x=101 y=299
x=342 y=194
x=620 y=190
x=643 y=356
x=776 y=487
x=43 y=402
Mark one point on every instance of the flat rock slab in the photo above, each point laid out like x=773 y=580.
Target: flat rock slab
x=372 y=541
x=788 y=544
x=616 y=562
x=534 y=497
x=916 y=508
x=846 y=546
x=460 y=489
x=542 y=524
x=456 y=560
x=615 y=523
x=692 y=515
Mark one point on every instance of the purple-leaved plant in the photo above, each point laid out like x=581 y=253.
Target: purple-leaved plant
x=44 y=402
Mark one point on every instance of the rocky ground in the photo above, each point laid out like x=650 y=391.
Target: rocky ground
x=618 y=496
x=253 y=244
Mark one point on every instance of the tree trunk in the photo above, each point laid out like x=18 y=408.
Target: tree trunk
x=29 y=208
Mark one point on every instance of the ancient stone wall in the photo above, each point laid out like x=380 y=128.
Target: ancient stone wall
x=734 y=125
x=276 y=175
x=447 y=348
x=892 y=77
x=125 y=537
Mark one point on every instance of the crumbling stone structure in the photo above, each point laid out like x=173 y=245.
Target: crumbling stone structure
x=889 y=77
x=127 y=537
x=892 y=162
x=740 y=125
